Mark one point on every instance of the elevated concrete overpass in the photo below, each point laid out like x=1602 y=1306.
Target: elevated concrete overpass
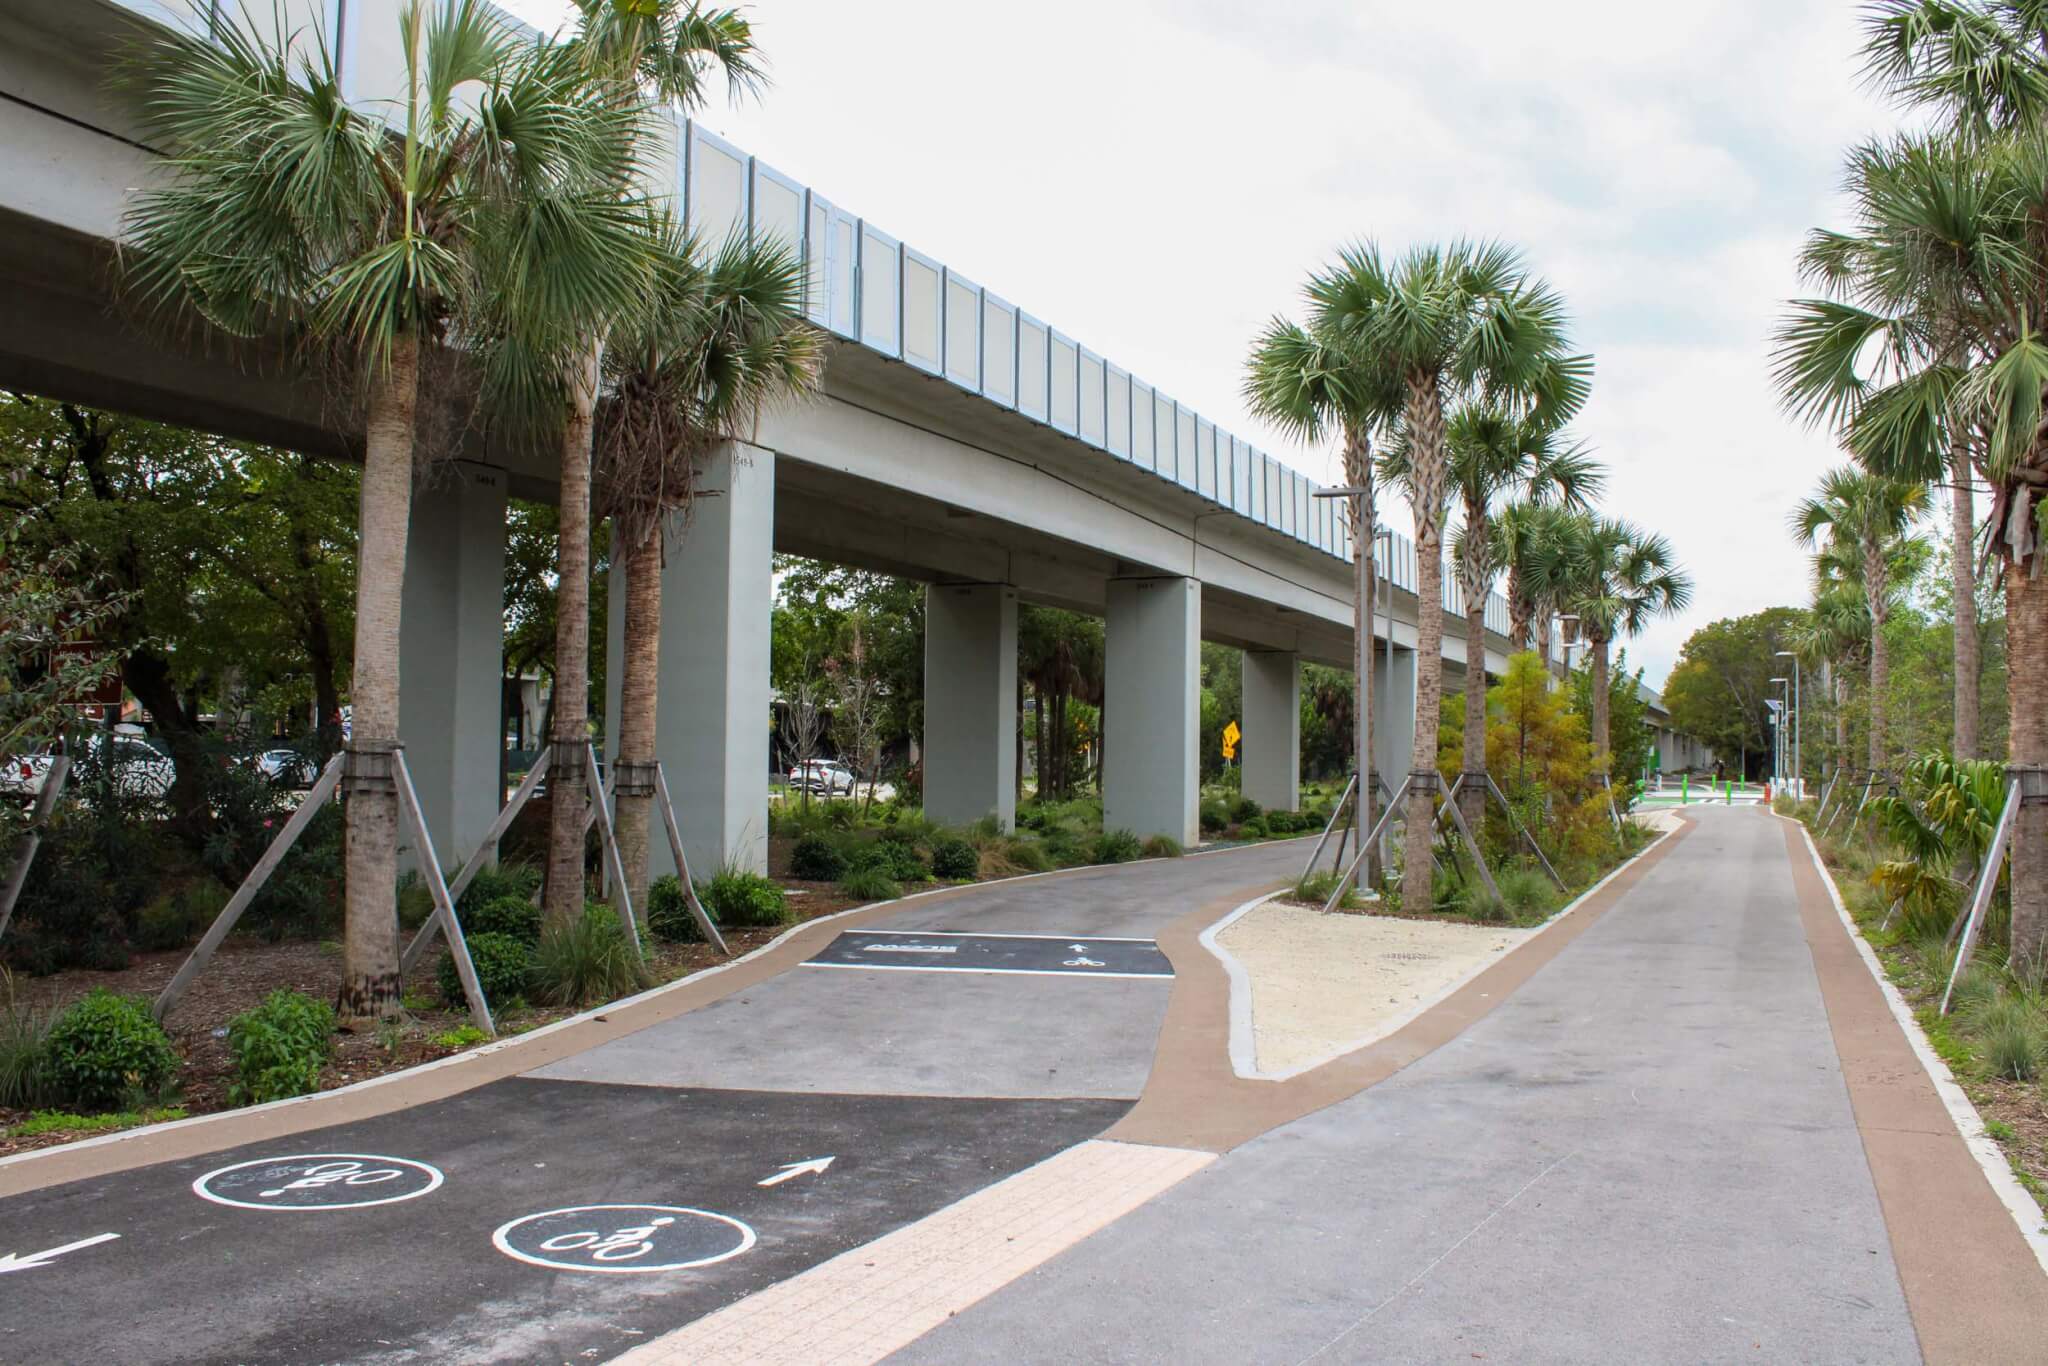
x=960 y=441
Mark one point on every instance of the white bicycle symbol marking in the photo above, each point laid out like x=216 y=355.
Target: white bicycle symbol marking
x=622 y=1246
x=314 y=1182
x=327 y=1173
x=1082 y=963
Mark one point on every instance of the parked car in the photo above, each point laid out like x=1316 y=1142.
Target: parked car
x=140 y=768
x=286 y=767
x=22 y=776
x=823 y=778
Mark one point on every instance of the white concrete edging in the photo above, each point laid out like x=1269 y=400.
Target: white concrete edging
x=518 y=1040
x=2025 y=1211
x=1243 y=1038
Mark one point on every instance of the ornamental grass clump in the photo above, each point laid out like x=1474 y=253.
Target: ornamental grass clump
x=587 y=960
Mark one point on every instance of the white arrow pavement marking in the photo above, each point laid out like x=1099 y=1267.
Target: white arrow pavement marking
x=14 y=1261
x=816 y=1164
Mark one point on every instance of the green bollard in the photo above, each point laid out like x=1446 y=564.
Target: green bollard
x=1685 y=790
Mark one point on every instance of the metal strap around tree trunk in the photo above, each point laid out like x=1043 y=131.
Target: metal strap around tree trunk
x=611 y=845
x=1534 y=847
x=423 y=939
x=444 y=905
x=195 y=962
x=1329 y=825
x=1350 y=873
x=32 y=838
x=1987 y=882
x=675 y=844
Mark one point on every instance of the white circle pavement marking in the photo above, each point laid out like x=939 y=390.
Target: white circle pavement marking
x=318 y=1181
x=615 y=1239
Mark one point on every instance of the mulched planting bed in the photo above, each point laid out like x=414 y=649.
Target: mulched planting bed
x=247 y=970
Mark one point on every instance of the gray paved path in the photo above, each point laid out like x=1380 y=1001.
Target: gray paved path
x=1647 y=1154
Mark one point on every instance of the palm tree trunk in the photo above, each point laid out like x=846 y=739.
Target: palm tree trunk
x=369 y=974
x=1842 y=759
x=1543 y=642
x=2026 y=634
x=1962 y=532
x=1425 y=418
x=1520 y=610
x=1880 y=657
x=1602 y=704
x=639 y=684
x=569 y=795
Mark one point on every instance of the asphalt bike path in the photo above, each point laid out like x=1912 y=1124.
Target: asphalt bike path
x=593 y=1204
x=1646 y=1153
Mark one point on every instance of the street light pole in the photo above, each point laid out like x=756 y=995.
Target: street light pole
x=1362 y=549
x=1779 y=707
x=1798 y=725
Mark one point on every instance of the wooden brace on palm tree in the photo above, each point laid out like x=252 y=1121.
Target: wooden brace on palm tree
x=32 y=838
x=1420 y=782
x=322 y=790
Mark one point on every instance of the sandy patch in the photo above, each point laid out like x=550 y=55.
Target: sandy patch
x=1321 y=984
x=1662 y=819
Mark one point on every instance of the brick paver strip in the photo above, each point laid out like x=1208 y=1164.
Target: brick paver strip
x=866 y=1303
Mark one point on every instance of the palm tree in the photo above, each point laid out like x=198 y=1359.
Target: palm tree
x=628 y=53
x=1870 y=516
x=1618 y=578
x=1311 y=380
x=365 y=235
x=1527 y=540
x=1496 y=455
x=1832 y=639
x=1959 y=225
x=720 y=340
x=1453 y=324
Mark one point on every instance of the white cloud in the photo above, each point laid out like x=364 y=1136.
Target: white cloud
x=1156 y=178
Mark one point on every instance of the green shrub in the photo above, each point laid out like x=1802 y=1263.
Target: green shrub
x=512 y=916
x=1529 y=894
x=1255 y=828
x=279 y=1047
x=1029 y=855
x=668 y=912
x=107 y=1049
x=587 y=960
x=463 y=1036
x=504 y=969
x=891 y=858
x=869 y=884
x=415 y=900
x=736 y=897
x=1215 y=815
x=816 y=859
x=955 y=859
x=1243 y=809
x=1117 y=846
x=1483 y=906
x=24 y=1031
x=1064 y=847
x=1163 y=846
x=177 y=919
x=497 y=881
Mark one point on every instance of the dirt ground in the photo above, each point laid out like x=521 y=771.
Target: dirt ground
x=247 y=970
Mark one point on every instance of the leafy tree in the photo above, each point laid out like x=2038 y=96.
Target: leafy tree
x=1716 y=690
x=1630 y=738
x=815 y=605
x=1060 y=657
x=365 y=233
x=1538 y=753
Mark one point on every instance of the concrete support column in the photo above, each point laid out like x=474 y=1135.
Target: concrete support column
x=451 y=654
x=1152 y=644
x=1393 y=713
x=718 y=591
x=1272 y=729
x=970 y=703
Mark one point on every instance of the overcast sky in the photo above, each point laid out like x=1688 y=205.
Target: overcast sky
x=1155 y=180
